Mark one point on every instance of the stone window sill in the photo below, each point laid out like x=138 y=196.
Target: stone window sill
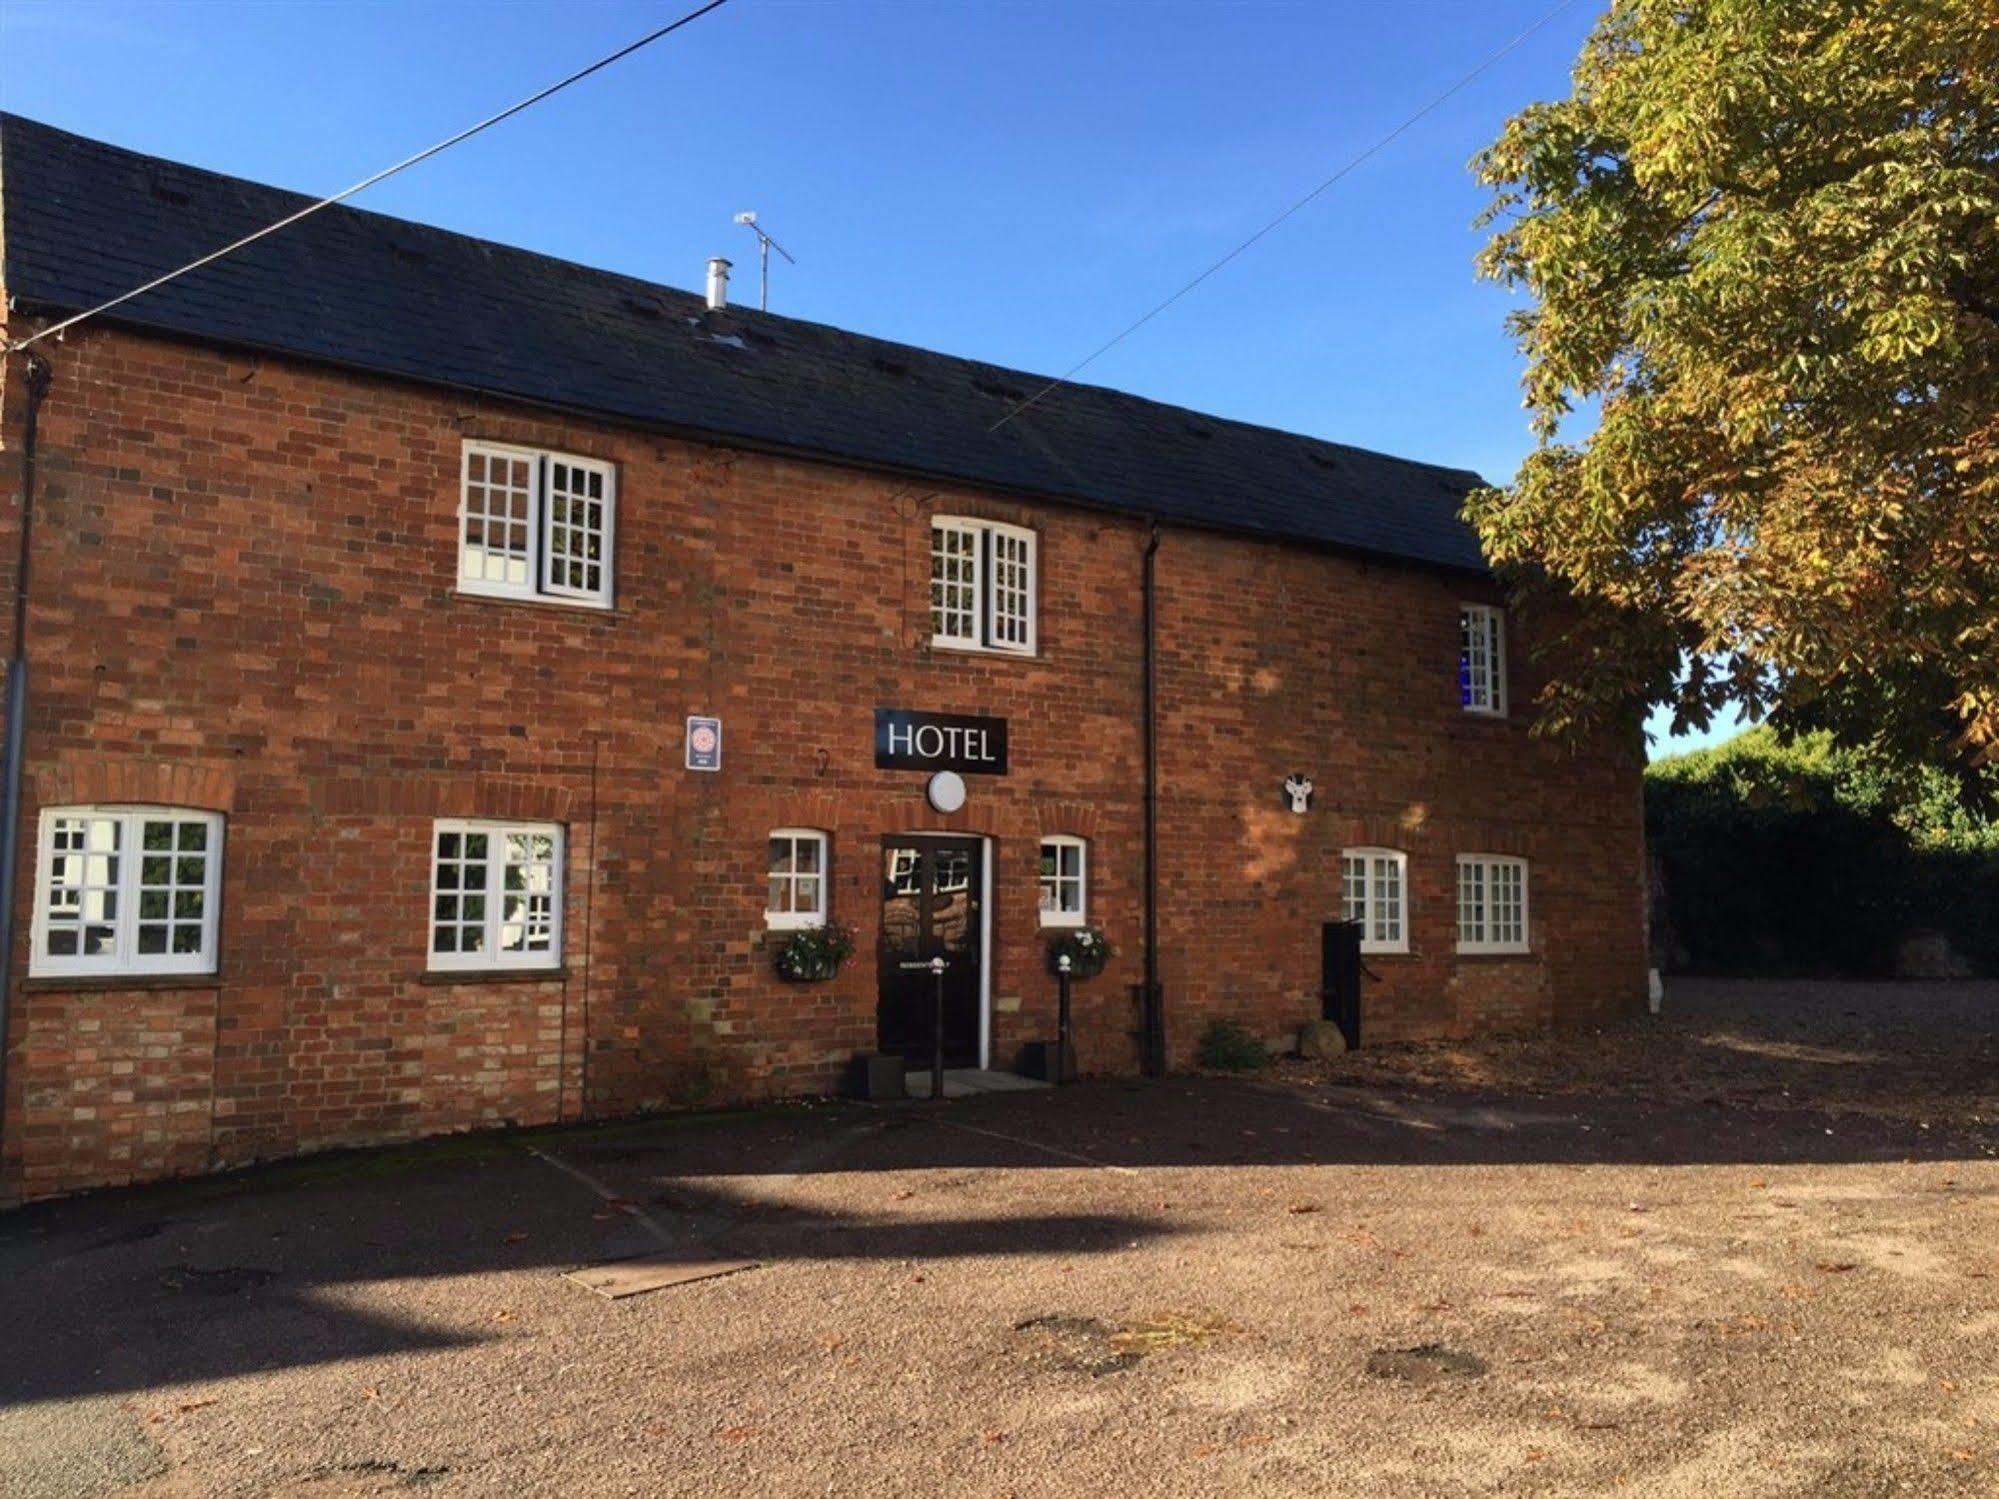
x=98 y=983
x=443 y=976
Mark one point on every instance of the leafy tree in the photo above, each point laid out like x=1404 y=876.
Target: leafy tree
x=1761 y=243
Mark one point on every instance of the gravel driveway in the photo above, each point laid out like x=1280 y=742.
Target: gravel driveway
x=1438 y=1271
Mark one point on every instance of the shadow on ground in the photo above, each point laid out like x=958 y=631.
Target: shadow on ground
x=272 y=1268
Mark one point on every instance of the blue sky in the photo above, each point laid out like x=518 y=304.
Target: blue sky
x=1014 y=182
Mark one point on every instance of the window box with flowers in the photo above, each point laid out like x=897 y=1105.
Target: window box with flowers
x=1086 y=948
x=810 y=955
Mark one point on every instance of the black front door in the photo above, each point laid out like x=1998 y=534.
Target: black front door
x=931 y=908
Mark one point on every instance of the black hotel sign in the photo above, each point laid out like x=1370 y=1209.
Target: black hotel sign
x=909 y=740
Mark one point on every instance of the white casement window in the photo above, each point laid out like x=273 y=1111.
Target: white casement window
x=982 y=586
x=496 y=895
x=535 y=525
x=1482 y=659
x=1492 y=903
x=798 y=870
x=126 y=890
x=1376 y=883
x=1064 y=881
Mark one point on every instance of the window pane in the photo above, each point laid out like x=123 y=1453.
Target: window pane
x=1012 y=598
x=574 y=530
x=954 y=583
x=499 y=498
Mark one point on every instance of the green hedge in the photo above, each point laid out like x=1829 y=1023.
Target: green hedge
x=1800 y=856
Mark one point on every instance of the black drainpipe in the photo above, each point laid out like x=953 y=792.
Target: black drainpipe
x=39 y=375
x=1152 y=1008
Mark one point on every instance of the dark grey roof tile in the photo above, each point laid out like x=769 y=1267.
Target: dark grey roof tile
x=85 y=221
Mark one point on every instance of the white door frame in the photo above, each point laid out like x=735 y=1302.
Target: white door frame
x=985 y=932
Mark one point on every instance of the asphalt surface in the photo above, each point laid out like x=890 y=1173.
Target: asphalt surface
x=1317 y=1281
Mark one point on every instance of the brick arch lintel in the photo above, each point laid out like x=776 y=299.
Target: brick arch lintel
x=206 y=785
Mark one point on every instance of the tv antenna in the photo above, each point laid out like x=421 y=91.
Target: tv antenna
x=765 y=244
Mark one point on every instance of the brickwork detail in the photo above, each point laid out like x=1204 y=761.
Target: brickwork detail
x=244 y=600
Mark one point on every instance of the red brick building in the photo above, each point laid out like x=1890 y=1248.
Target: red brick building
x=383 y=581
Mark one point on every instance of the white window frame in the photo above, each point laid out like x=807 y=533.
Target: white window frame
x=539 y=588
x=1480 y=867
x=796 y=920
x=125 y=959
x=492 y=958
x=1081 y=879
x=1487 y=624
x=984 y=635
x=1368 y=904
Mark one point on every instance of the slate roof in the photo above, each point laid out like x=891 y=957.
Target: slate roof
x=85 y=221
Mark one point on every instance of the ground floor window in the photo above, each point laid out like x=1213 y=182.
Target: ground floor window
x=496 y=895
x=1492 y=903
x=126 y=890
x=1064 y=881
x=796 y=893
x=1375 y=882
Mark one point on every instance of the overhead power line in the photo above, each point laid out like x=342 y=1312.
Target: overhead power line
x=1374 y=150
x=366 y=182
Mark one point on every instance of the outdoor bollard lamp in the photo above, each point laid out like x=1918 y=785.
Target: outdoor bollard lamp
x=937 y=1035
x=1063 y=1069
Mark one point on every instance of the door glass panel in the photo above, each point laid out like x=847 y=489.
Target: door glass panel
x=902 y=913
x=951 y=902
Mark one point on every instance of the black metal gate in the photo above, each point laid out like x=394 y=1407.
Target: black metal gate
x=1340 y=973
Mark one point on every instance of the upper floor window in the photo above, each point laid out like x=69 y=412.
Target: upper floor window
x=1492 y=903
x=1375 y=882
x=496 y=895
x=797 y=890
x=534 y=525
x=1482 y=659
x=981 y=586
x=126 y=890
x=1064 y=881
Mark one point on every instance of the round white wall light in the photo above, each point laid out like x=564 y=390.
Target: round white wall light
x=946 y=791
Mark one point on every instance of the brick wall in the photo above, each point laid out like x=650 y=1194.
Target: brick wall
x=244 y=601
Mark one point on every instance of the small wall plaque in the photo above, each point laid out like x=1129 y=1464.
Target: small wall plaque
x=704 y=743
